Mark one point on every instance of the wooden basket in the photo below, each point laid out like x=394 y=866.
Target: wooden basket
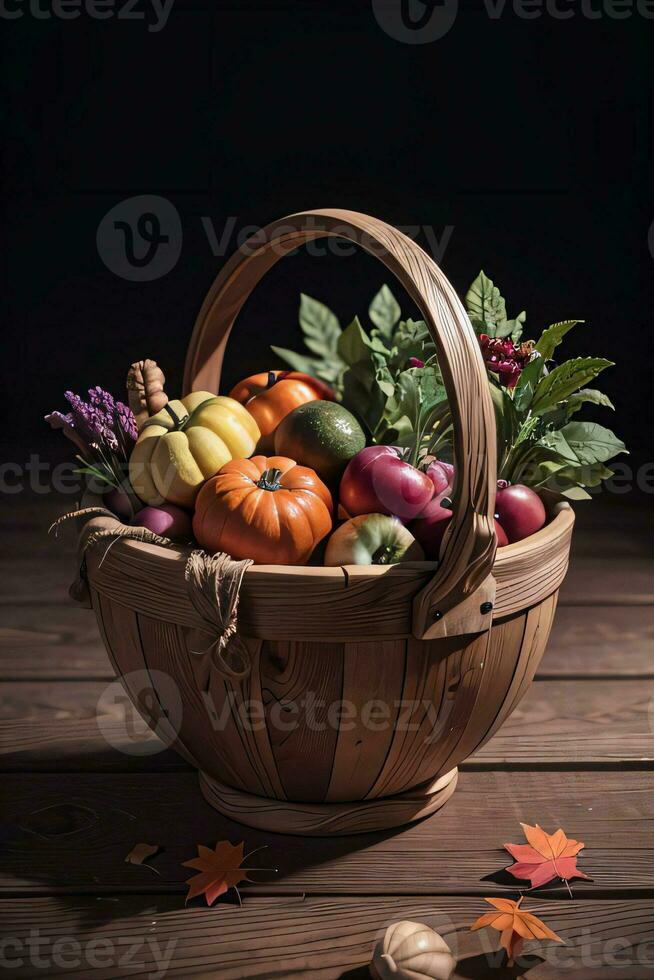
x=368 y=685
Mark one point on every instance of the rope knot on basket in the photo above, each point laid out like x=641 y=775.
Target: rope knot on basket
x=214 y=583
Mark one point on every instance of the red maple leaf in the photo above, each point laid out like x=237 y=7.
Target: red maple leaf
x=515 y=925
x=545 y=857
x=219 y=869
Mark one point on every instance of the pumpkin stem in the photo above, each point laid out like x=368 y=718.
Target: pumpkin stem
x=174 y=416
x=269 y=479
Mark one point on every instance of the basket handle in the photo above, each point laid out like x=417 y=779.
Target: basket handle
x=459 y=598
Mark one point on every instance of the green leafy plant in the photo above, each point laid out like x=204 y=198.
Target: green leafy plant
x=535 y=400
x=388 y=375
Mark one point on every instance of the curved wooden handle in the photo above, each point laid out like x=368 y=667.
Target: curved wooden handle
x=460 y=596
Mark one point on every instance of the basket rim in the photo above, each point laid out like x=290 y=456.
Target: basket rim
x=562 y=520
x=341 y=603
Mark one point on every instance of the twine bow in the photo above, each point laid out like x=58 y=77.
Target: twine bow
x=214 y=583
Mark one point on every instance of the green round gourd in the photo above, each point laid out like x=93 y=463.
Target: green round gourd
x=322 y=435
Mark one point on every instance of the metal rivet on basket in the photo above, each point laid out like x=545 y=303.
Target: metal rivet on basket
x=485 y=607
x=437 y=615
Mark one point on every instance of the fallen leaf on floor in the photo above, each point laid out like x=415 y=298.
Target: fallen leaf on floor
x=141 y=852
x=220 y=869
x=545 y=857
x=515 y=925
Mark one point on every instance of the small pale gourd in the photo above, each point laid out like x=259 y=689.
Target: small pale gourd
x=412 y=951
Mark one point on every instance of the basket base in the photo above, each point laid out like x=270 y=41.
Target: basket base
x=328 y=819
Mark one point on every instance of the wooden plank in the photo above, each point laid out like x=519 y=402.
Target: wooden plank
x=329 y=939
x=571 y=723
x=576 y=724
x=66 y=833
x=610 y=641
x=623 y=581
x=59 y=640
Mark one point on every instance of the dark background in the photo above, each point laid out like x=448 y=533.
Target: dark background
x=532 y=138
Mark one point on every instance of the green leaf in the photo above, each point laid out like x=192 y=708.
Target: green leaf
x=517 y=325
x=384 y=311
x=363 y=395
x=566 y=379
x=485 y=304
x=527 y=383
x=506 y=422
x=557 y=442
x=576 y=493
x=353 y=344
x=320 y=326
x=592 y=443
x=542 y=471
x=299 y=362
x=411 y=338
x=511 y=328
x=419 y=397
x=552 y=337
x=591 y=395
x=570 y=477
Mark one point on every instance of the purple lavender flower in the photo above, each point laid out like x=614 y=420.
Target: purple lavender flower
x=126 y=421
x=103 y=429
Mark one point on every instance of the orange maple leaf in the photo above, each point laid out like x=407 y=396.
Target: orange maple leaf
x=545 y=857
x=515 y=925
x=219 y=869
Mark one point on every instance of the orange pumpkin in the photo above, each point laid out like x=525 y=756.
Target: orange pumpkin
x=265 y=508
x=270 y=396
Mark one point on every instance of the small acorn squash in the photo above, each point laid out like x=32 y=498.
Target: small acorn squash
x=186 y=443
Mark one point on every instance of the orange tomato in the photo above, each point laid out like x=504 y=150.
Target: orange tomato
x=270 y=396
x=265 y=508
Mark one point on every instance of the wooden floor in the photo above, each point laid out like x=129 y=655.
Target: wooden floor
x=577 y=753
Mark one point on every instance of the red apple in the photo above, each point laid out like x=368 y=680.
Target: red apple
x=502 y=539
x=441 y=475
x=429 y=528
x=378 y=481
x=520 y=511
x=168 y=520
